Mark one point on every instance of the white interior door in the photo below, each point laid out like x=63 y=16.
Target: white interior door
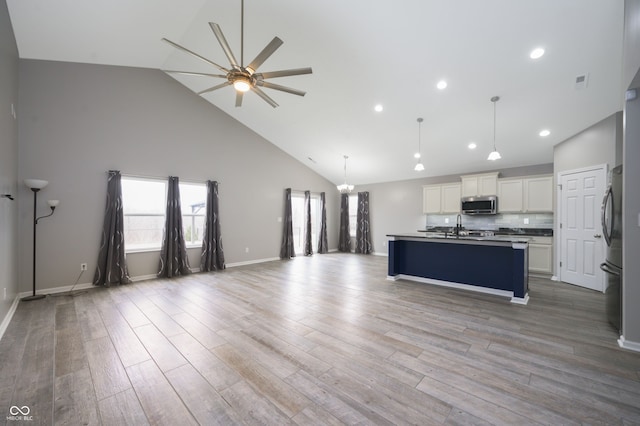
x=581 y=242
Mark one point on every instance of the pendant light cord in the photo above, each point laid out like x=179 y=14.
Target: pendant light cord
x=345 y=169
x=494 y=125
x=495 y=99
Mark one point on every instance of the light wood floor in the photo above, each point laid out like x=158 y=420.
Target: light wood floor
x=320 y=340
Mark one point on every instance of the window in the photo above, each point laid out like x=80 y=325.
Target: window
x=298 y=220
x=353 y=214
x=144 y=204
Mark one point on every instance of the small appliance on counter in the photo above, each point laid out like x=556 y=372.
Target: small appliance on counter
x=612 y=231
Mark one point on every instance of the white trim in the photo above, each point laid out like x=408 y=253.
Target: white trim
x=520 y=300
x=469 y=287
x=627 y=344
x=143 y=277
x=375 y=253
x=9 y=316
x=393 y=277
x=251 y=262
x=55 y=290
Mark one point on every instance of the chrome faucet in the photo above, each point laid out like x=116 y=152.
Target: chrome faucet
x=458 y=224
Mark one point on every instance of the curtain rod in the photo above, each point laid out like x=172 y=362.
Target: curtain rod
x=131 y=175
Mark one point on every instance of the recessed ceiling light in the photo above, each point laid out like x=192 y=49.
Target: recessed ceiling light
x=544 y=133
x=441 y=85
x=378 y=108
x=472 y=145
x=536 y=53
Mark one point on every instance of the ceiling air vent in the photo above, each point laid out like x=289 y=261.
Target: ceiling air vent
x=582 y=81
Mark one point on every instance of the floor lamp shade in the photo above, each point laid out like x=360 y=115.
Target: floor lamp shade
x=36 y=184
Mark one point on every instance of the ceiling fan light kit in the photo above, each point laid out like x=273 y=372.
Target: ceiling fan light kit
x=243 y=78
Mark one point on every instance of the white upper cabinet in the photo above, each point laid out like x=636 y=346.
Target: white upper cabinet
x=510 y=195
x=524 y=195
x=451 y=198
x=431 y=199
x=443 y=198
x=481 y=184
x=538 y=194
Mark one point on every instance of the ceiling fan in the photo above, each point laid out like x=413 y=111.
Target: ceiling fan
x=243 y=78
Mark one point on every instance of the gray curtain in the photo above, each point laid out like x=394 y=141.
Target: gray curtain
x=344 y=239
x=173 y=254
x=363 y=229
x=112 y=262
x=287 y=249
x=323 y=244
x=212 y=257
x=308 y=246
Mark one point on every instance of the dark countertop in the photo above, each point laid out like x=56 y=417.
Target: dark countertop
x=524 y=232
x=501 y=240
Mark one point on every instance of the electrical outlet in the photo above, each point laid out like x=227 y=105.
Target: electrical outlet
x=526 y=220
x=83 y=266
x=246 y=249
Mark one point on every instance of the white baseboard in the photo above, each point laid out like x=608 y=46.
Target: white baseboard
x=9 y=316
x=55 y=290
x=627 y=344
x=251 y=262
x=375 y=253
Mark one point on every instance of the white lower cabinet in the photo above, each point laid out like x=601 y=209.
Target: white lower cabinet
x=541 y=255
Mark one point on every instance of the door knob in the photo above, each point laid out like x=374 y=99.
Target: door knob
x=597 y=236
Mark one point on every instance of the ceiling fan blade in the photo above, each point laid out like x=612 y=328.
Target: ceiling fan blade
x=211 y=89
x=284 y=73
x=203 y=74
x=202 y=58
x=239 y=98
x=264 y=55
x=281 y=88
x=264 y=96
x=224 y=44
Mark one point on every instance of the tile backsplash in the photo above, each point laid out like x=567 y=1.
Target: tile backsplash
x=493 y=222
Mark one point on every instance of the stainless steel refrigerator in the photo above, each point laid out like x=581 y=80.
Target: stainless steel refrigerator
x=612 y=231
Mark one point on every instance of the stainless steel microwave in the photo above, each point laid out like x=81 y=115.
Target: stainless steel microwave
x=487 y=204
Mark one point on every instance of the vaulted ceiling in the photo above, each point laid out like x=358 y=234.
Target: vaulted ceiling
x=365 y=53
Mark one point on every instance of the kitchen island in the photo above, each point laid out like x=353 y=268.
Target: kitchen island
x=493 y=264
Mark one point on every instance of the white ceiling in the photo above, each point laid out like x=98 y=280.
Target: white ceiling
x=365 y=52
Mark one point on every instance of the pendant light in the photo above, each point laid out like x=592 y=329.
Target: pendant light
x=345 y=188
x=494 y=155
x=419 y=166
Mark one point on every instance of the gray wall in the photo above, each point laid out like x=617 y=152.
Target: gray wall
x=631 y=177
x=631 y=46
x=396 y=207
x=79 y=120
x=8 y=162
x=592 y=146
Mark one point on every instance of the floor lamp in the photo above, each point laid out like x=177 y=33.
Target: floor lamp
x=36 y=185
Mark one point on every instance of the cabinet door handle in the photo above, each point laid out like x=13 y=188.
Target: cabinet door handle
x=597 y=236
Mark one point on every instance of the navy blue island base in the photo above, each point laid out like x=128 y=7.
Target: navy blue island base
x=494 y=265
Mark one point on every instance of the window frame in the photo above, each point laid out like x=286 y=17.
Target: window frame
x=187 y=218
